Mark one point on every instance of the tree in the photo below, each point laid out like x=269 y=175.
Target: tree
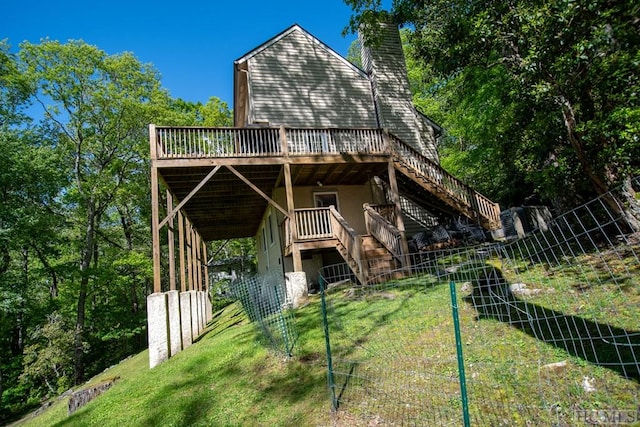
x=99 y=105
x=555 y=65
x=185 y=113
x=48 y=358
x=75 y=211
x=30 y=184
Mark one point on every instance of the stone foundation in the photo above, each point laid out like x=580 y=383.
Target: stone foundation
x=296 y=285
x=174 y=321
x=158 y=328
x=185 y=319
x=175 y=329
x=81 y=397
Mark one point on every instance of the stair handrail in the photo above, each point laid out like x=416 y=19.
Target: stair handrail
x=442 y=179
x=350 y=240
x=384 y=231
x=387 y=210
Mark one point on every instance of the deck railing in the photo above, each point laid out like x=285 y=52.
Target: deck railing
x=384 y=231
x=313 y=223
x=387 y=211
x=443 y=180
x=335 y=141
x=203 y=142
x=326 y=223
x=350 y=240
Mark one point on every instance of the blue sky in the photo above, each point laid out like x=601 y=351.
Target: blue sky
x=191 y=43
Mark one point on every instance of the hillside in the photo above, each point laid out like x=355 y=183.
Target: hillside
x=394 y=360
x=227 y=378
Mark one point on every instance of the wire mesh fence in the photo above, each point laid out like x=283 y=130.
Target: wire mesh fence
x=549 y=331
x=264 y=300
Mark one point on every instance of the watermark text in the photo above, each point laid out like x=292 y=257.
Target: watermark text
x=607 y=416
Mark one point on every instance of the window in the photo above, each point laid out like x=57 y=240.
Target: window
x=264 y=239
x=270 y=229
x=326 y=199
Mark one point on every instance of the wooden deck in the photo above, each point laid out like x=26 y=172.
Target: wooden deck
x=236 y=170
x=219 y=181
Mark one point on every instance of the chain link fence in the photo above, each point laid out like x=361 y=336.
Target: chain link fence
x=543 y=330
x=264 y=300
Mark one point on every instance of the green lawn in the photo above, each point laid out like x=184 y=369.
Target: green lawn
x=228 y=378
x=395 y=361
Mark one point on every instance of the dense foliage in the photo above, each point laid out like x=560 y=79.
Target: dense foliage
x=541 y=100
x=75 y=257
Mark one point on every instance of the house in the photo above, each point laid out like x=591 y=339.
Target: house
x=326 y=163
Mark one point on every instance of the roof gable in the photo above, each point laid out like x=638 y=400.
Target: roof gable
x=296 y=28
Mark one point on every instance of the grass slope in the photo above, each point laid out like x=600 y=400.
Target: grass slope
x=228 y=378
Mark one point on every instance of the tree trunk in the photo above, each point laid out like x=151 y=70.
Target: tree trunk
x=625 y=206
x=5 y=258
x=20 y=324
x=569 y=117
x=127 y=223
x=53 y=286
x=85 y=263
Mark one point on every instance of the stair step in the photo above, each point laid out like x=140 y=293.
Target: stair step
x=379 y=251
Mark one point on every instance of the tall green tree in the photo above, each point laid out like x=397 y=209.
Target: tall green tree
x=213 y=113
x=564 y=71
x=30 y=184
x=75 y=211
x=99 y=106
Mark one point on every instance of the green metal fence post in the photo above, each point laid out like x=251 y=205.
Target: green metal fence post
x=463 y=380
x=332 y=388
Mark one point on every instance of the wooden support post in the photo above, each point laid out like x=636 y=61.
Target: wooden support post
x=155 y=229
x=198 y=261
x=295 y=250
x=171 y=243
x=395 y=196
x=194 y=260
x=206 y=266
x=189 y=257
x=181 y=237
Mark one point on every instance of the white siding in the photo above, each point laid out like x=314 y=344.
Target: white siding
x=298 y=82
x=269 y=250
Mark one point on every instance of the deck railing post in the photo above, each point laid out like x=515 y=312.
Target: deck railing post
x=386 y=141
x=395 y=198
x=283 y=140
x=153 y=142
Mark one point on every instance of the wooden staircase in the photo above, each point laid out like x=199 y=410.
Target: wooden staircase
x=380 y=263
x=449 y=190
x=376 y=264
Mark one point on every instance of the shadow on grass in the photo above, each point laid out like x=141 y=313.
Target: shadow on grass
x=601 y=344
x=384 y=304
